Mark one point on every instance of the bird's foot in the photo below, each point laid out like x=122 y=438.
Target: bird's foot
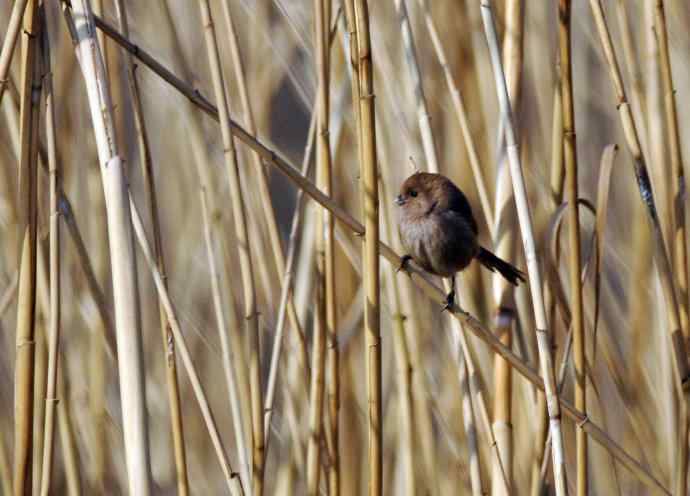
x=403 y=263
x=450 y=301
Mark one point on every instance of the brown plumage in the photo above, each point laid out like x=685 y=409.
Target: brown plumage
x=438 y=230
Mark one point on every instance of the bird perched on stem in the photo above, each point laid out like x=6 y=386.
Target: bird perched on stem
x=439 y=233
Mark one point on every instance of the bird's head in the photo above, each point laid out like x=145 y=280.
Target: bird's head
x=420 y=194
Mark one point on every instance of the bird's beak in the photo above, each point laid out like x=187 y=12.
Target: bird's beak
x=399 y=200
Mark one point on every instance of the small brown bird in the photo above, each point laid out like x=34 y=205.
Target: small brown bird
x=439 y=233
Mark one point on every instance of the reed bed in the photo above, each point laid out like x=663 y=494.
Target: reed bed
x=196 y=313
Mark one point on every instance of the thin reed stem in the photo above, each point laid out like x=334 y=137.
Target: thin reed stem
x=232 y=479
x=55 y=297
x=416 y=80
x=679 y=246
x=524 y=217
x=572 y=195
x=370 y=207
x=241 y=233
x=230 y=378
x=30 y=91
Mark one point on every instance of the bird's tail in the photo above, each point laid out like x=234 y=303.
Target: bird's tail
x=493 y=263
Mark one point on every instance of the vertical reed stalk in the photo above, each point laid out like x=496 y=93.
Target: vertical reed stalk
x=324 y=314
x=239 y=214
x=524 y=218
x=123 y=267
x=679 y=227
x=30 y=91
x=572 y=195
x=168 y=342
x=54 y=257
x=370 y=203
x=325 y=176
x=10 y=42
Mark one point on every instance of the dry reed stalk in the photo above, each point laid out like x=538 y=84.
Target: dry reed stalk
x=417 y=275
x=638 y=102
x=30 y=91
x=286 y=287
x=325 y=170
x=370 y=209
x=130 y=367
x=239 y=215
x=51 y=398
x=680 y=361
x=679 y=227
x=10 y=42
x=461 y=113
x=168 y=342
x=228 y=358
x=504 y=239
x=415 y=75
x=572 y=195
x=232 y=479
x=525 y=221
x=262 y=179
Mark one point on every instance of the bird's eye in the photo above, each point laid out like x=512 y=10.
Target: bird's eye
x=413 y=193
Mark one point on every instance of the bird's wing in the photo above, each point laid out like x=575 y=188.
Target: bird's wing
x=461 y=205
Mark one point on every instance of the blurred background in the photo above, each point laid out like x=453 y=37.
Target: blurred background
x=427 y=450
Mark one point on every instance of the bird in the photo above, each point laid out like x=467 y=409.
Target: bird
x=439 y=232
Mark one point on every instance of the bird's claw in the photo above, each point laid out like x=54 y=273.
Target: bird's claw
x=450 y=301
x=403 y=263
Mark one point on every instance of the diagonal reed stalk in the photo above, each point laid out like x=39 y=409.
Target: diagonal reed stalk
x=241 y=232
x=54 y=318
x=572 y=195
x=418 y=277
x=168 y=342
x=30 y=91
x=524 y=217
x=232 y=480
x=79 y=20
